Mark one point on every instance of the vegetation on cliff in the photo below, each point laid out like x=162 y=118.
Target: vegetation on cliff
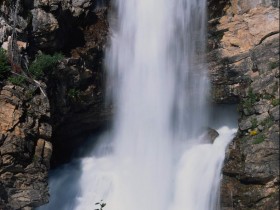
x=4 y=65
x=44 y=64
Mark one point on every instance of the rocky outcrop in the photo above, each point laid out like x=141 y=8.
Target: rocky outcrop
x=82 y=111
x=244 y=67
x=252 y=168
x=231 y=59
x=25 y=148
x=34 y=127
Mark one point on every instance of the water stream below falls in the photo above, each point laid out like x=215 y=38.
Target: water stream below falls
x=157 y=155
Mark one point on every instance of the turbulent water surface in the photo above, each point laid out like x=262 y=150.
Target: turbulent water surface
x=157 y=156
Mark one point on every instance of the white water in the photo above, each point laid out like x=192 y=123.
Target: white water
x=156 y=157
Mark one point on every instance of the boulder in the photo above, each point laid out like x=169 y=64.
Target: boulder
x=43 y=22
x=212 y=134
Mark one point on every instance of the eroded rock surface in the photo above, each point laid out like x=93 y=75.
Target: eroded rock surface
x=34 y=128
x=233 y=42
x=23 y=127
x=244 y=67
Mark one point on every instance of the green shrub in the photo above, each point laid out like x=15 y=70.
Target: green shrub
x=267 y=96
x=254 y=123
x=268 y=122
x=250 y=100
x=252 y=96
x=29 y=93
x=259 y=139
x=44 y=64
x=4 y=65
x=73 y=93
x=245 y=138
x=273 y=64
x=275 y=102
x=17 y=80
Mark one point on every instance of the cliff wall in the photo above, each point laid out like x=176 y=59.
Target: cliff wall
x=244 y=69
x=42 y=125
x=243 y=58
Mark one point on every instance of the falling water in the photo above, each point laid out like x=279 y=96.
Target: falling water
x=157 y=156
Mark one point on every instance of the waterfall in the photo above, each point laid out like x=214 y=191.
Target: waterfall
x=157 y=156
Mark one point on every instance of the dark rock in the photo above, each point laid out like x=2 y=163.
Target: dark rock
x=19 y=128
x=212 y=134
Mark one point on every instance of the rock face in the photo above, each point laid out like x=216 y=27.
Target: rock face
x=34 y=128
x=212 y=134
x=244 y=67
x=24 y=127
x=232 y=62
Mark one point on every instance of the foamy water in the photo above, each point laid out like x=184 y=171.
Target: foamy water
x=155 y=157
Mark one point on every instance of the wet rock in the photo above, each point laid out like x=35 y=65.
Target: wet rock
x=212 y=134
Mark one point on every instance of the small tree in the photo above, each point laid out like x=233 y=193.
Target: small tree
x=44 y=64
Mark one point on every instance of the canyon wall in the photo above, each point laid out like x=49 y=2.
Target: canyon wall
x=43 y=125
x=243 y=60
x=244 y=69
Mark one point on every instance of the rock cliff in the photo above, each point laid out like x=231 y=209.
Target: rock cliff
x=25 y=148
x=243 y=58
x=244 y=69
x=33 y=126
